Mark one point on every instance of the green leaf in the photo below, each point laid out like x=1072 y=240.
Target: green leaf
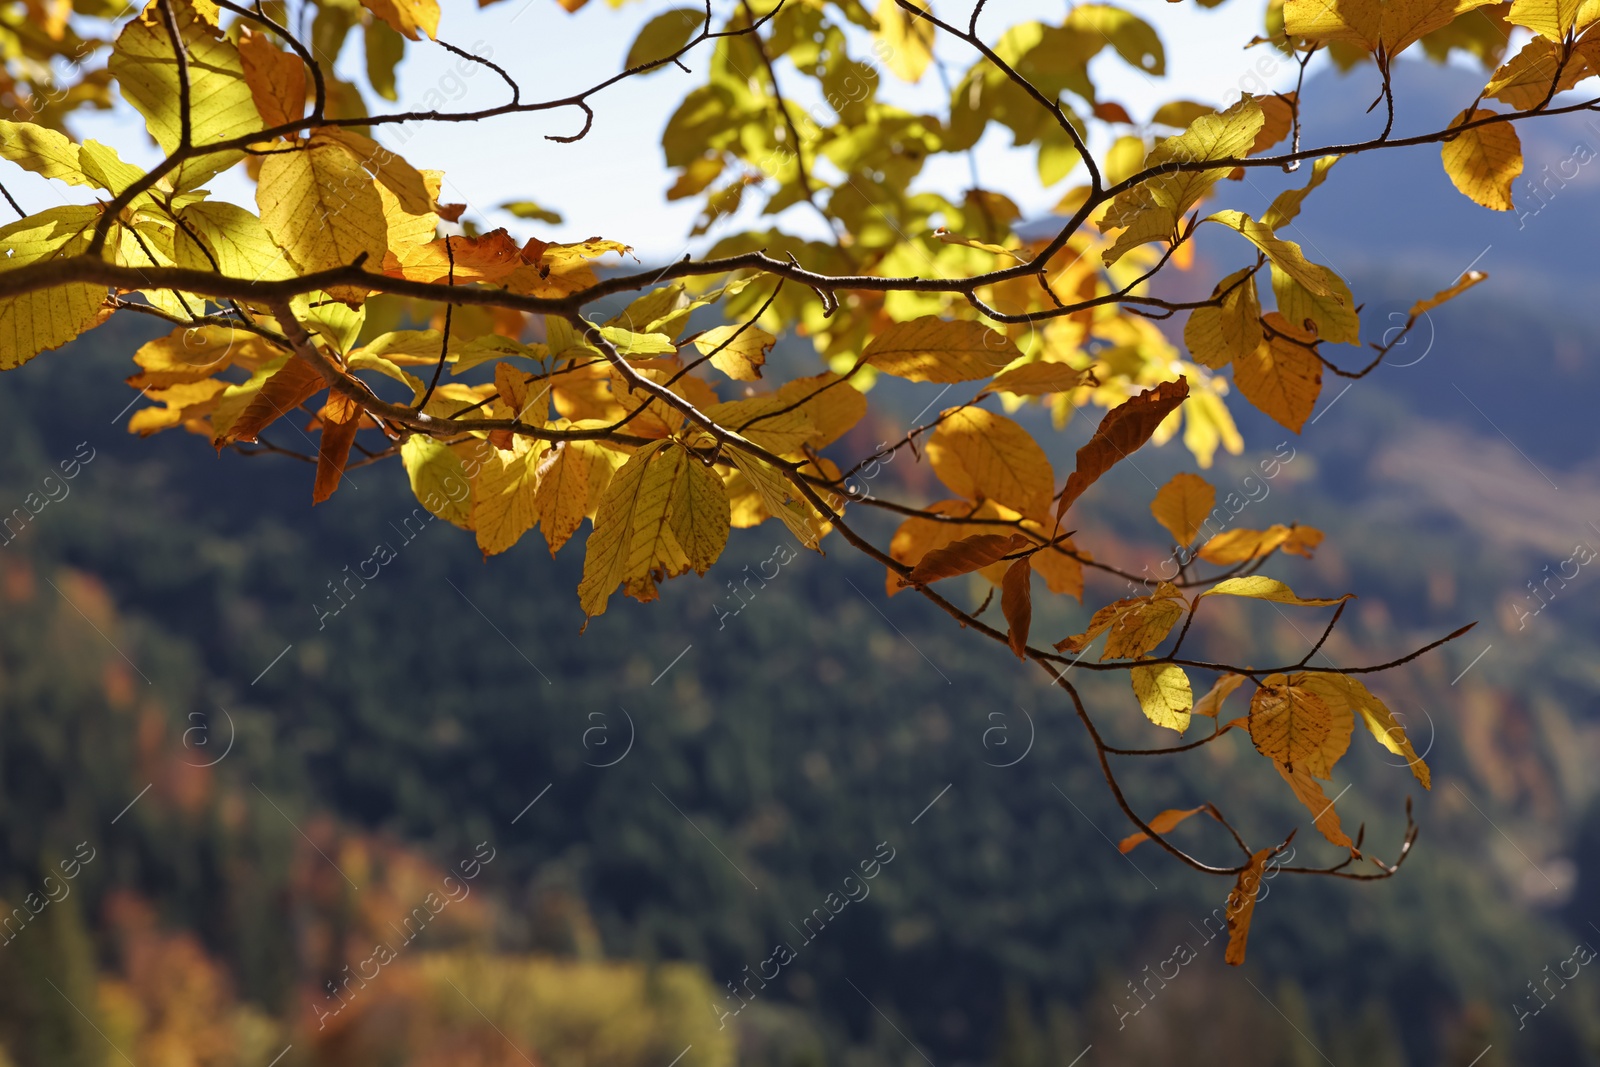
x=384 y=48
x=663 y=36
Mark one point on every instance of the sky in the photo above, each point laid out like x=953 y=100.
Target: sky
x=612 y=183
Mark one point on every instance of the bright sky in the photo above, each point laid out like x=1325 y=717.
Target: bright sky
x=613 y=182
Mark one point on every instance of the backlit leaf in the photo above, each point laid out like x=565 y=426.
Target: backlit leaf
x=340 y=420
x=965 y=556
x=1210 y=705
x=1219 y=334
x=568 y=471
x=44 y=151
x=1260 y=587
x=906 y=40
x=1151 y=210
x=411 y=18
x=1163 y=823
x=738 y=353
x=700 y=517
x=1037 y=379
x=1309 y=793
x=984 y=456
x=1164 y=695
x=1016 y=604
x=1349 y=691
x=1135 y=624
x=438 y=479
x=931 y=349
x=321 y=207
x=1122 y=432
x=664 y=35
x=1483 y=161
x=1392 y=25
x=505 y=495
x=221 y=106
x=1288 y=723
x=1282 y=377
x=1183 y=505
x=277 y=79
x=1242 y=906
x=631 y=523
x=46 y=318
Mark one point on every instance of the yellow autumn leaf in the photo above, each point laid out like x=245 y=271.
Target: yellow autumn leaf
x=46 y=318
x=737 y=351
x=1164 y=694
x=178 y=404
x=1288 y=723
x=221 y=106
x=1285 y=255
x=1525 y=81
x=769 y=421
x=1282 y=377
x=1210 y=705
x=931 y=349
x=779 y=496
x=504 y=495
x=321 y=207
x=1218 y=334
x=828 y=401
x=906 y=41
x=568 y=471
x=1183 y=505
x=1483 y=161
x=232 y=242
x=1309 y=793
x=438 y=479
x=1236 y=546
x=700 y=516
x=1242 y=906
x=277 y=79
x=1327 y=311
x=408 y=185
x=1341 y=718
x=1260 y=587
x=631 y=523
x=407 y=17
x=1285 y=207
x=1150 y=210
x=44 y=151
x=1343 y=690
x=1465 y=282
x=1392 y=25
x=984 y=456
x=1061 y=572
x=1136 y=625
x=1163 y=823
x=919 y=536
x=1551 y=19
x=1207 y=424
x=1037 y=379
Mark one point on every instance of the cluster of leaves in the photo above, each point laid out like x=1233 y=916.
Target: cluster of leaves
x=335 y=306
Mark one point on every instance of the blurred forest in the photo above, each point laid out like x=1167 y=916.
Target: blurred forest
x=582 y=850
